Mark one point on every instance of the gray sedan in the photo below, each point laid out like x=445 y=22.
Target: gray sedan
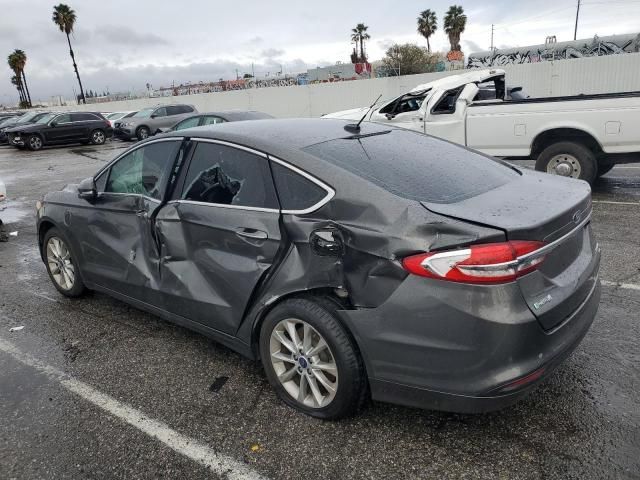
x=212 y=118
x=353 y=262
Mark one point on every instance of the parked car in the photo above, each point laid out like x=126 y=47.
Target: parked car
x=149 y=121
x=211 y=118
x=61 y=128
x=582 y=136
x=25 y=119
x=3 y=196
x=348 y=260
x=115 y=116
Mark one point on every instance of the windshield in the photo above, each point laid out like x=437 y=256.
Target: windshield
x=115 y=116
x=28 y=116
x=144 y=113
x=45 y=118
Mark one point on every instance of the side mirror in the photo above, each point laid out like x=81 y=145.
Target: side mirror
x=87 y=189
x=390 y=116
x=153 y=115
x=53 y=124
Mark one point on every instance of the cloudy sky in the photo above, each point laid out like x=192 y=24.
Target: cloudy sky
x=122 y=45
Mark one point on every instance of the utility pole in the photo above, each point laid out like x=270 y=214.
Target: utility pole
x=575 y=32
x=492 y=30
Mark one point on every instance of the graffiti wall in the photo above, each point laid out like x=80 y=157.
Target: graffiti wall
x=596 y=46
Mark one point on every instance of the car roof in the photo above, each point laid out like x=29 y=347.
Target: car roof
x=451 y=81
x=278 y=135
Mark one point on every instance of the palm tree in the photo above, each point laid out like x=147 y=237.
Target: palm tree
x=454 y=23
x=17 y=79
x=359 y=35
x=21 y=62
x=427 y=25
x=65 y=18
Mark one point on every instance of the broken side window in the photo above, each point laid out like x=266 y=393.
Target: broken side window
x=224 y=175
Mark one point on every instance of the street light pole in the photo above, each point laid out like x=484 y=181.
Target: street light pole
x=575 y=31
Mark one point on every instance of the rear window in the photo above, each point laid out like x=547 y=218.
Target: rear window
x=415 y=166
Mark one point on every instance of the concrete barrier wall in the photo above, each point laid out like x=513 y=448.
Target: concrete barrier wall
x=614 y=73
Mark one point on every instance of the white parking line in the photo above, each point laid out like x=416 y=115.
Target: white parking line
x=611 y=202
x=219 y=464
x=626 y=286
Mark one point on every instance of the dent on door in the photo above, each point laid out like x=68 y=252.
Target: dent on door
x=212 y=258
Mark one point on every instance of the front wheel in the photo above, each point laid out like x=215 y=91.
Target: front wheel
x=310 y=359
x=61 y=264
x=142 y=133
x=34 y=142
x=98 y=137
x=568 y=159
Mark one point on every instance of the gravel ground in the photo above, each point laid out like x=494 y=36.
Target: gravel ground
x=583 y=422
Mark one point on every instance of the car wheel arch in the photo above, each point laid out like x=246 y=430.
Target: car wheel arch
x=325 y=296
x=43 y=227
x=548 y=137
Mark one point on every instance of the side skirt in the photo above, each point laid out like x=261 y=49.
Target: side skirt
x=227 y=340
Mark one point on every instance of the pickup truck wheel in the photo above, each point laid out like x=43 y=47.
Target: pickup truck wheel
x=568 y=159
x=603 y=169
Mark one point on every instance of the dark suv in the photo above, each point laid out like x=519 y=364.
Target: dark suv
x=152 y=120
x=59 y=128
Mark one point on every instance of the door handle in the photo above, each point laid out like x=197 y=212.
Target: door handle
x=252 y=233
x=142 y=213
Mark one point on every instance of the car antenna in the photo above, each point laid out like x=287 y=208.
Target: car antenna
x=355 y=128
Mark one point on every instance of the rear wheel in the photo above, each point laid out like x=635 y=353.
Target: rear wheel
x=568 y=159
x=98 y=137
x=605 y=168
x=61 y=264
x=310 y=359
x=34 y=142
x=142 y=133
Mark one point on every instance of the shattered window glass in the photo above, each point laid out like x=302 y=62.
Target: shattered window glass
x=415 y=166
x=228 y=176
x=144 y=171
x=294 y=191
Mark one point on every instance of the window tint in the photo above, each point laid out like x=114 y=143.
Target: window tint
x=160 y=112
x=143 y=171
x=174 y=110
x=83 y=117
x=295 y=191
x=188 y=123
x=64 y=118
x=229 y=176
x=415 y=166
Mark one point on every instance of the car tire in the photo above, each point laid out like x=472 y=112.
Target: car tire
x=98 y=137
x=568 y=159
x=342 y=367
x=605 y=168
x=35 y=143
x=61 y=266
x=142 y=133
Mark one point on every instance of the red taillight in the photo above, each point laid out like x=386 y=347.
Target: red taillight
x=486 y=263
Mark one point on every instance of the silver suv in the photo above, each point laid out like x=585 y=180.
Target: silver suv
x=149 y=121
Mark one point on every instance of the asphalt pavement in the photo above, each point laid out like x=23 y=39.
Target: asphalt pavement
x=92 y=388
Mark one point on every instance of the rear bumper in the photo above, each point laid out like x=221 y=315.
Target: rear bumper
x=456 y=353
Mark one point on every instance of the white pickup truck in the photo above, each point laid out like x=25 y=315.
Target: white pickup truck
x=581 y=136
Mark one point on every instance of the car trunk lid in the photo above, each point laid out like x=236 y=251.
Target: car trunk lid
x=552 y=210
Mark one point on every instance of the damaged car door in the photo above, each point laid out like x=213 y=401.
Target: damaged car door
x=219 y=234
x=120 y=250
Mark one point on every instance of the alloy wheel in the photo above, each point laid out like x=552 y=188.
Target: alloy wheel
x=98 y=137
x=143 y=133
x=565 y=165
x=60 y=263
x=35 y=142
x=303 y=363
